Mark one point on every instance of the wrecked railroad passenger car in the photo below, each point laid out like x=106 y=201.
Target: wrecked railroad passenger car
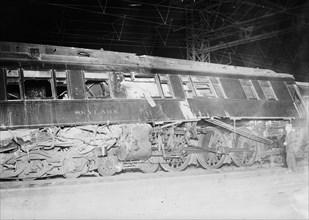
x=71 y=111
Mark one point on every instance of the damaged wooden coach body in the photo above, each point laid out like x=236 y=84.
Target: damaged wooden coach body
x=71 y=111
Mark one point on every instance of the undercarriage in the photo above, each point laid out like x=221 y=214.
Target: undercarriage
x=109 y=149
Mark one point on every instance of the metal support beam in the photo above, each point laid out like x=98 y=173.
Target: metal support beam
x=197 y=23
x=249 y=39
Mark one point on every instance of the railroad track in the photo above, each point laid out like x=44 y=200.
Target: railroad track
x=245 y=172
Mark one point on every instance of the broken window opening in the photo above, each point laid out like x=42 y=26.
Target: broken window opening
x=37 y=84
x=203 y=86
x=140 y=86
x=97 y=85
x=13 y=84
x=293 y=93
x=61 y=85
x=187 y=86
x=166 y=86
x=295 y=96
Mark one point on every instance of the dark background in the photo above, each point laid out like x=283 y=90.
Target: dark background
x=268 y=34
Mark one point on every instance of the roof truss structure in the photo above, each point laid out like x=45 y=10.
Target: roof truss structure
x=264 y=34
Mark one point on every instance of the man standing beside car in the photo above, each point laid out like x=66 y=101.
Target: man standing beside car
x=291 y=147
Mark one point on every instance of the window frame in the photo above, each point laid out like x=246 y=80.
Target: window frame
x=253 y=91
x=209 y=80
x=106 y=78
x=220 y=87
x=292 y=96
x=167 y=82
x=298 y=103
x=209 y=84
x=34 y=78
x=271 y=89
x=134 y=76
x=52 y=80
x=56 y=87
x=20 y=84
x=189 y=81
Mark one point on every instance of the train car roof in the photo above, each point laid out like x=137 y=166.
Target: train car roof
x=11 y=51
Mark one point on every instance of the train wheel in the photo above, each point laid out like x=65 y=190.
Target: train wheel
x=108 y=165
x=75 y=167
x=174 y=164
x=248 y=157
x=214 y=139
x=176 y=159
x=150 y=165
